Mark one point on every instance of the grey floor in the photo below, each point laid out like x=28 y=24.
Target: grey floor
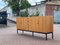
x=8 y=36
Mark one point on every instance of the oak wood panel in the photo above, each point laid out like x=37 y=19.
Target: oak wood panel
x=47 y=24
x=19 y=23
x=32 y=23
x=40 y=25
x=36 y=24
x=25 y=23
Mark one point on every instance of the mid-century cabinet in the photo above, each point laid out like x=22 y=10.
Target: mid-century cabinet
x=39 y=24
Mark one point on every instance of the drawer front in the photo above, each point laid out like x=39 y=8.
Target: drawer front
x=32 y=23
x=25 y=24
x=19 y=23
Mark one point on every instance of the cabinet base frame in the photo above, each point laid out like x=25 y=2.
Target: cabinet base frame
x=37 y=32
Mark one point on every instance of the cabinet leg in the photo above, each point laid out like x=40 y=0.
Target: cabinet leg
x=32 y=33
x=17 y=31
x=46 y=36
x=52 y=35
x=22 y=32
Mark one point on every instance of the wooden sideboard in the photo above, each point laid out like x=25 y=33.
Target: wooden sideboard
x=38 y=24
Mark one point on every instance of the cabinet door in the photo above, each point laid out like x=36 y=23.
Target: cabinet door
x=19 y=22
x=32 y=23
x=40 y=26
x=25 y=23
x=47 y=24
x=44 y=24
x=37 y=24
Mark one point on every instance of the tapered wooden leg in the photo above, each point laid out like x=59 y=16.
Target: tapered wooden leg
x=46 y=36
